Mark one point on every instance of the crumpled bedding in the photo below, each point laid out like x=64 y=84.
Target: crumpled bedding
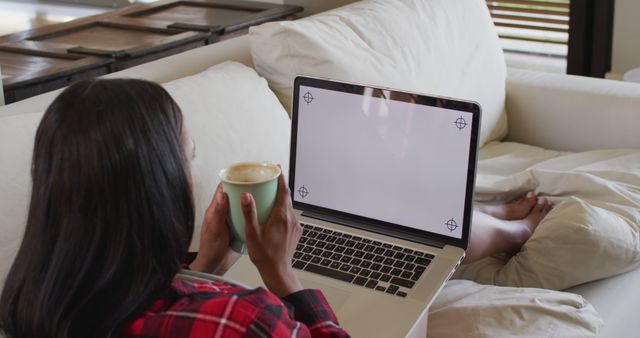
x=592 y=232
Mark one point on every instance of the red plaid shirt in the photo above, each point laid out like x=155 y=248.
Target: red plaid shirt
x=218 y=309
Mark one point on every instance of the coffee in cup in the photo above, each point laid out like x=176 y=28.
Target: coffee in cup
x=260 y=179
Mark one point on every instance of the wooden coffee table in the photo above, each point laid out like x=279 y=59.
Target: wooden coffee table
x=52 y=57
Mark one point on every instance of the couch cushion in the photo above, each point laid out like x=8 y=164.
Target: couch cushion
x=233 y=116
x=616 y=299
x=466 y=309
x=437 y=47
x=17 y=134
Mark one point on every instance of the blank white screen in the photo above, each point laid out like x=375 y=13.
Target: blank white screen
x=399 y=162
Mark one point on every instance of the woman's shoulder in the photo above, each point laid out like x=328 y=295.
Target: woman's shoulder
x=223 y=292
x=203 y=307
x=204 y=289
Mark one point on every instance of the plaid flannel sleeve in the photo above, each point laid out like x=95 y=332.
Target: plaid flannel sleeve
x=312 y=309
x=302 y=314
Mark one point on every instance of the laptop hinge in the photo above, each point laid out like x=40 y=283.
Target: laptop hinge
x=374 y=228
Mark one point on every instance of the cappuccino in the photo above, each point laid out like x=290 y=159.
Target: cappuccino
x=252 y=172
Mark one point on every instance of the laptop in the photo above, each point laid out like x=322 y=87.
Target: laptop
x=382 y=182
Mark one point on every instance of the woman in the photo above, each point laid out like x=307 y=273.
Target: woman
x=111 y=218
x=110 y=221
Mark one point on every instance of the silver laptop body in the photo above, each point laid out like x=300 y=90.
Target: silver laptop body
x=382 y=182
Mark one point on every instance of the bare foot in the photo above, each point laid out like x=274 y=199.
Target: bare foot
x=516 y=209
x=524 y=228
x=491 y=235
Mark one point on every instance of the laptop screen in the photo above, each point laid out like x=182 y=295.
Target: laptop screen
x=405 y=160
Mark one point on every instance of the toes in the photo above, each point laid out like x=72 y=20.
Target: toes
x=539 y=207
x=530 y=199
x=547 y=207
x=524 y=197
x=544 y=205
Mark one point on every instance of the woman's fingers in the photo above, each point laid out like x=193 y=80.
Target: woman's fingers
x=283 y=202
x=214 y=235
x=220 y=208
x=283 y=191
x=209 y=213
x=252 y=227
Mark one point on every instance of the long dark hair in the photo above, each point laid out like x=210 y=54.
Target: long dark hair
x=111 y=213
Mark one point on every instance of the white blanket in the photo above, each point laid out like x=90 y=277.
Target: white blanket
x=592 y=232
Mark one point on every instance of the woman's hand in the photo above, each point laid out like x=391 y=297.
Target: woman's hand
x=271 y=245
x=215 y=255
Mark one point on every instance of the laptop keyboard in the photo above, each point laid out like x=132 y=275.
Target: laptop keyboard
x=372 y=264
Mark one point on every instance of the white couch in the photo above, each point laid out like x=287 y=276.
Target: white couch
x=551 y=111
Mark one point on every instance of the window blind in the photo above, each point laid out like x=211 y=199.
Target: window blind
x=533 y=26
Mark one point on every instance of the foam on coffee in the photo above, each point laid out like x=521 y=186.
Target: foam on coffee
x=251 y=172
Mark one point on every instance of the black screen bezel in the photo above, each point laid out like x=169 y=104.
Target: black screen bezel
x=374 y=225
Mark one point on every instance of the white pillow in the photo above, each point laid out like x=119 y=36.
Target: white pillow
x=592 y=232
x=466 y=309
x=233 y=116
x=439 y=47
x=17 y=134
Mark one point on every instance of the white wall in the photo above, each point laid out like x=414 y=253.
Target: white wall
x=626 y=36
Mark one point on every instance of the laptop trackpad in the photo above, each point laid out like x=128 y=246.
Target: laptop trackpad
x=334 y=296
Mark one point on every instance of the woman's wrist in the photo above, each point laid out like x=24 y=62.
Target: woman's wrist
x=281 y=280
x=215 y=264
x=201 y=264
